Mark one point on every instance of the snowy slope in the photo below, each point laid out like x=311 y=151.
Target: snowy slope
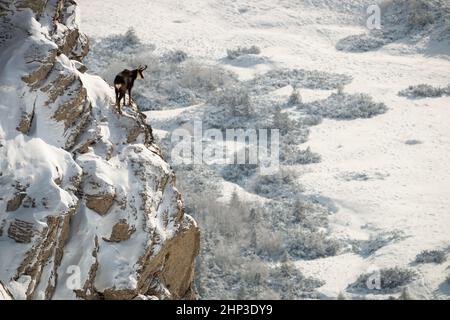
x=88 y=207
x=378 y=182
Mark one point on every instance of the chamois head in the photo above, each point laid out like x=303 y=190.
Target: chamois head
x=140 y=69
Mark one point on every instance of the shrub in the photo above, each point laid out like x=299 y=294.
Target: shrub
x=282 y=121
x=295 y=98
x=431 y=256
x=422 y=91
x=177 y=56
x=346 y=107
x=360 y=43
x=292 y=284
x=375 y=243
x=240 y=51
x=236 y=99
x=282 y=184
x=200 y=76
x=391 y=279
x=297 y=78
x=290 y=155
x=238 y=172
x=269 y=244
x=448 y=279
x=420 y=14
x=312 y=245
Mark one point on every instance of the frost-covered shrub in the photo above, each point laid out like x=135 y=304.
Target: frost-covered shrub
x=360 y=43
x=295 y=98
x=269 y=244
x=197 y=76
x=123 y=41
x=176 y=56
x=422 y=91
x=292 y=284
x=391 y=279
x=238 y=172
x=375 y=243
x=240 y=51
x=282 y=184
x=297 y=78
x=290 y=155
x=282 y=121
x=448 y=279
x=312 y=245
x=431 y=256
x=345 y=107
x=420 y=13
x=255 y=271
x=310 y=216
x=236 y=99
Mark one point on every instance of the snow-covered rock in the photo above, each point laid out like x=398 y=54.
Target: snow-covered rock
x=88 y=207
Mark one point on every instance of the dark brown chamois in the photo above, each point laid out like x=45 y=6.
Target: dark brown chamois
x=124 y=82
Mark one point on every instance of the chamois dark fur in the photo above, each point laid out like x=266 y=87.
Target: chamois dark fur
x=124 y=82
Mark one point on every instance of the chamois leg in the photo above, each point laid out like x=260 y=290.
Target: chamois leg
x=117 y=97
x=129 y=97
x=121 y=96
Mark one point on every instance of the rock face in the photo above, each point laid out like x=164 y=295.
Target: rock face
x=88 y=207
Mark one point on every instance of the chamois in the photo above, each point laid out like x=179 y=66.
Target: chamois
x=124 y=82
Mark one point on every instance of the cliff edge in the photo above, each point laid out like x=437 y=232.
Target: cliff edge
x=88 y=207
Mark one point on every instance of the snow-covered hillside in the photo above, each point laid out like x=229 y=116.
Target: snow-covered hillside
x=88 y=207
x=365 y=183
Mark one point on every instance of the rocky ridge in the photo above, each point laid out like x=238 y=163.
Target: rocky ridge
x=88 y=207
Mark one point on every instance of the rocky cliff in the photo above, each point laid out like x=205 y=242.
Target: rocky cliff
x=88 y=207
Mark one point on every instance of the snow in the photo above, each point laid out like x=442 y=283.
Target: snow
x=407 y=186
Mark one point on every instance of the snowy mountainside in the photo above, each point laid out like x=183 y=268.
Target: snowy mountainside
x=88 y=207
x=363 y=182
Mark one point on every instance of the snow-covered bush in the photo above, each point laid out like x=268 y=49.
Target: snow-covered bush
x=297 y=78
x=292 y=284
x=376 y=242
x=122 y=41
x=238 y=172
x=269 y=244
x=295 y=98
x=422 y=91
x=236 y=100
x=282 y=184
x=345 y=107
x=290 y=155
x=361 y=43
x=309 y=216
x=431 y=256
x=448 y=279
x=197 y=76
x=240 y=51
x=312 y=245
x=175 y=56
x=420 y=13
x=391 y=279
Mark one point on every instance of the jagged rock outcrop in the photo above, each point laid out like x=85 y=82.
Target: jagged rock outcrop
x=88 y=207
